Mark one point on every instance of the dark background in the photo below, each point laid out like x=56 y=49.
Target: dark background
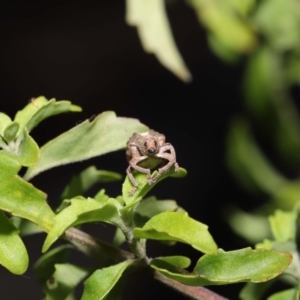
x=83 y=51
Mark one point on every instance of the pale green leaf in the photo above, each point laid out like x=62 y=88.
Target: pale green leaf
x=5 y=120
x=177 y=261
x=81 y=211
x=39 y=109
x=63 y=281
x=178 y=226
x=21 y=198
x=13 y=254
x=86 y=179
x=155 y=34
x=24 y=150
x=10 y=132
x=106 y=133
x=100 y=283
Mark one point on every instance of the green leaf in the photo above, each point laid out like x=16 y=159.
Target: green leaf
x=81 y=211
x=150 y=207
x=283 y=225
x=21 y=198
x=144 y=187
x=86 y=179
x=243 y=265
x=155 y=34
x=11 y=131
x=225 y=23
x=44 y=266
x=106 y=133
x=25 y=150
x=228 y=267
x=178 y=261
x=65 y=278
x=178 y=226
x=119 y=238
x=5 y=120
x=39 y=109
x=101 y=282
x=13 y=254
x=290 y=294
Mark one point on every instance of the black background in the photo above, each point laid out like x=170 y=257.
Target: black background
x=83 y=51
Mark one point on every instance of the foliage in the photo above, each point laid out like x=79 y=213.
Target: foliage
x=136 y=218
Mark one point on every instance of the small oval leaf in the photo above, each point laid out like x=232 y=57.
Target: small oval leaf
x=178 y=226
x=243 y=265
x=13 y=254
x=100 y=283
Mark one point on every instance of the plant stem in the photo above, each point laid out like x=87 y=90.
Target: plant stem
x=194 y=292
x=81 y=238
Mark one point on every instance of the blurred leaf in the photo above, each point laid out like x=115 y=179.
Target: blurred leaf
x=44 y=267
x=101 y=282
x=267 y=96
x=250 y=166
x=39 y=109
x=106 y=133
x=144 y=187
x=258 y=82
x=283 y=225
x=255 y=227
x=224 y=22
x=13 y=254
x=21 y=198
x=86 y=179
x=290 y=294
x=279 y=22
x=243 y=6
x=64 y=280
x=150 y=207
x=81 y=211
x=155 y=34
x=255 y=291
x=222 y=50
x=178 y=226
x=25 y=227
x=288 y=195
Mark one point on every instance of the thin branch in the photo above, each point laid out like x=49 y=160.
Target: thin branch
x=81 y=238
x=194 y=292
